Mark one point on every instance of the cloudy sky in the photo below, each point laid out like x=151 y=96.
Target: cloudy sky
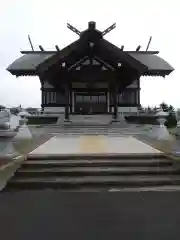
x=45 y=21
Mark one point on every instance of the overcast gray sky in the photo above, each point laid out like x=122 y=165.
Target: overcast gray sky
x=45 y=21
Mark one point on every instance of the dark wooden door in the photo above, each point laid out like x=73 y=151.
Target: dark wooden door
x=91 y=103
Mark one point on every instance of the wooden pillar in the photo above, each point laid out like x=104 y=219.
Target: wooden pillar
x=138 y=92
x=73 y=102
x=114 y=93
x=108 y=101
x=42 y=99
x=67 y=103
x=70 y=100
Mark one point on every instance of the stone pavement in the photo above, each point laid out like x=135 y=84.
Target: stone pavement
x=94 y=145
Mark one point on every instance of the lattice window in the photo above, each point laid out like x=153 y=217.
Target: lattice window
x=127 y=97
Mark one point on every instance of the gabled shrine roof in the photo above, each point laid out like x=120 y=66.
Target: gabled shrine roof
x=146 y=62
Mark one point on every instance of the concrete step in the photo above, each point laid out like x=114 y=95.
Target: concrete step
x=98 y=156
x=118 y=133
x=80 y=125
x=51 y=163
x=85 y=127
x=92 y=182
x=88 y=129
x=91 y=133
x=95 y=171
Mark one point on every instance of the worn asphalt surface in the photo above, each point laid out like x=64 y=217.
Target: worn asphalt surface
x=50 y=214
x=53 y=215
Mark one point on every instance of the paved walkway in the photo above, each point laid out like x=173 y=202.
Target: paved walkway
x=90 y=215
x=94 y=145
x=94 y=215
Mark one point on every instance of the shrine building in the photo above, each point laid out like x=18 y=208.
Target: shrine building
x=91 y=75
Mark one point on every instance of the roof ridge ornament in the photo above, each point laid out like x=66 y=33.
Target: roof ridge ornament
x=122 y=48
x=29 y=38
x=138 y=48
x=91 y=26
x=41 y=48
x=57 y=48
x=109 y=29
x=75 y=30
x=150 y=39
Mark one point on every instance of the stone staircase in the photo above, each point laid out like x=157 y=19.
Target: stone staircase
x=87 y=129
x=91 y=125
x=86 y=173
x=91 y=119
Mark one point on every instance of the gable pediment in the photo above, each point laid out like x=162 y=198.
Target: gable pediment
x=91 y=63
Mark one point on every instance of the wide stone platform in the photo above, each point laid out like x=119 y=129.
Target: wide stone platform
x=94 y=145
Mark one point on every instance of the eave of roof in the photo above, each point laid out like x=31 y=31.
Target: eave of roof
x=27 y=64
x=156 y=73
x=154 y=63
x=30 y=62
x=54 y=52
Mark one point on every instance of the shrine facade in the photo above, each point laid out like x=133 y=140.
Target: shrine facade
x=91 y=75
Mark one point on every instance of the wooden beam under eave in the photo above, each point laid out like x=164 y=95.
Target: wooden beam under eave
x=90 y=77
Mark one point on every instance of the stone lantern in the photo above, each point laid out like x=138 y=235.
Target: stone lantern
x=23 y=120
x=23 y=132
x=162 y=131
x=23 y=139
x=6 y=135
x=163 y=139
x=162 y=117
